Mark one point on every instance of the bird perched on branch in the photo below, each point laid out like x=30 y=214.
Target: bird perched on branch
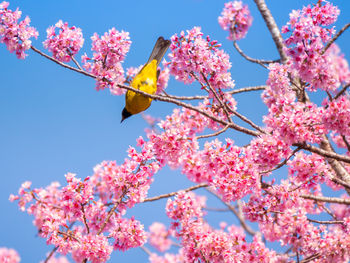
x=145 y=80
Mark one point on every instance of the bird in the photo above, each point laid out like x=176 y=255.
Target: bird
x=146 y=81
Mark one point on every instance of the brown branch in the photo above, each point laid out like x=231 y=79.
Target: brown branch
x=241 y=90
x=84 y=219
x=336 y=36
x=51 y=254
x=323 y=153
x=311 y=258
x=213 y=134
x=341 y=91
x=346 y=142
x=282 y=163
x=247 y=89
x=258 y=61
x=273 y=28
x=175 y=193
x=110 y=213
x=63 y=64
x=148 y=252
x=73 y=59
x=325 y=222
x=68 y=235
x=335 y=200
x=222 y=104
x=341 y=182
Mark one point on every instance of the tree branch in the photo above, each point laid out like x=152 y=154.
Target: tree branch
x=323 y=153
x=335 y=38
x=174 y=193
x=258 y=61
x=273 y=28
x=335 y=200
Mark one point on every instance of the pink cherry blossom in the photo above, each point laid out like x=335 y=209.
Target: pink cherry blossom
x=159 y=236
x=306 y=43
x=194 y=57
x=337 y=116
x=16 y=35
x=9 y=255
x=236 y=19
x=64 y=44
x=109 y=51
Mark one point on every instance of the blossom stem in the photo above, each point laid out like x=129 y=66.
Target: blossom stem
x=335 y=38
x=254 y=60
x=175 y=193
x=327 y=199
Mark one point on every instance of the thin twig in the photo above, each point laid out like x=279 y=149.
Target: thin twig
x=325 y=222
x=346 y=142
x=84 y=219
x=63 y=64
x=310 y=258
x=51 y=254
x=110 y=213
x=341 y=91
x=282 y=163
x=73 y=59
x=222 y=104
x=335 y=38
x=335 y=200
x=258 y=61
x=247 y=89
x=245 y=119
x=174 y=193
x=213 y=134
x=241 y=90
x=148 y=252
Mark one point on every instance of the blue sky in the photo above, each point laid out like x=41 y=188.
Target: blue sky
x=54 y=121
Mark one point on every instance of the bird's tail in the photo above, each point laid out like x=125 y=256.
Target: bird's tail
x=159 y=50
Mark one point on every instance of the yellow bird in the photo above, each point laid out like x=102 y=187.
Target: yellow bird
x=145 y=80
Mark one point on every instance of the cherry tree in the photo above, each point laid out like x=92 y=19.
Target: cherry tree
x=86 y=217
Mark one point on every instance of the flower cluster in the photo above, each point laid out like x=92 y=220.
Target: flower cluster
x=296 y=122
x=309 y=171
x=66 y=43
x=337 y=116
x=306 y=45
x=159 y=236
x=98 y=226
x=268 y=151
x=109 y=52
x=200 y=242
x=8 y=255
x=193 y=58
x=236 y=19
x=278 y=91
x=16 y=35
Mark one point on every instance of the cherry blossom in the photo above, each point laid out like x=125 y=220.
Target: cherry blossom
x=13 y=33
x=66 y=43
x=236 y=19
x=109 y=51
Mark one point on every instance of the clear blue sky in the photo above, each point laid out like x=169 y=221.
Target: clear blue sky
x=54 y=121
